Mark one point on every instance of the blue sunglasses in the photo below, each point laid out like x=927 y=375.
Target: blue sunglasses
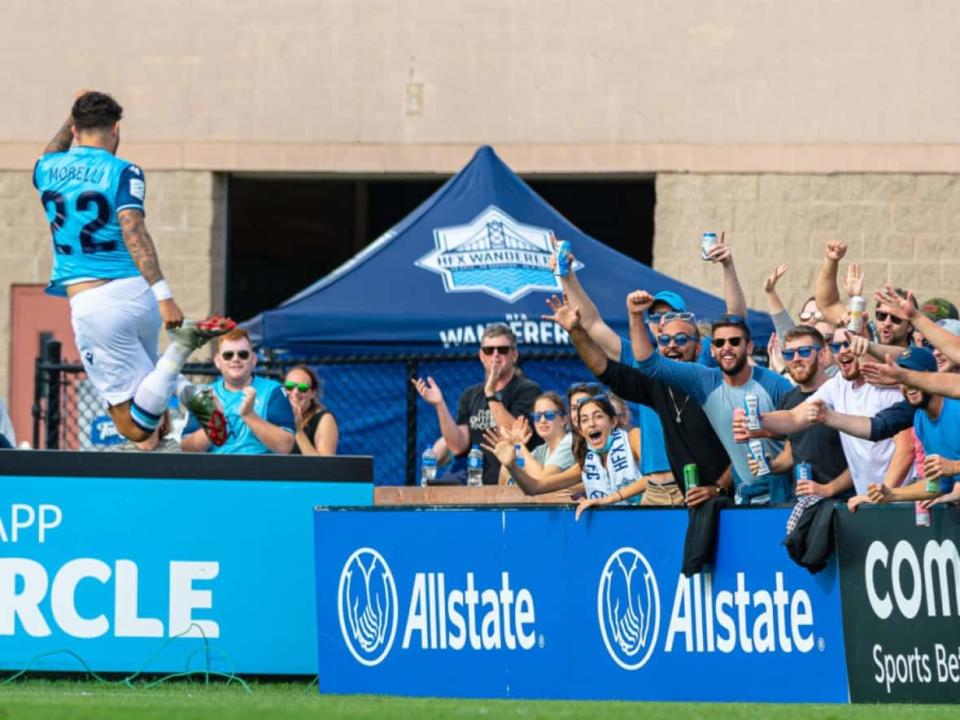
x=680 y=339
x=548 y=415
x=804 y=352
x=836 y=347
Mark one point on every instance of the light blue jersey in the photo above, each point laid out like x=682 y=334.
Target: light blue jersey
x=718 y=399
x=271 y=404
x=82 y=190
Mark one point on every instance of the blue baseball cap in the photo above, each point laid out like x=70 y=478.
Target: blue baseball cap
x=672 y=299
x=917 y=358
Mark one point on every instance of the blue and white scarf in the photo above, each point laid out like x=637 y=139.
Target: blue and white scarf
x=620 y=469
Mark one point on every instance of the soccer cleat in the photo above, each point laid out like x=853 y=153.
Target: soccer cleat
x=200 y=401
x=195 y=335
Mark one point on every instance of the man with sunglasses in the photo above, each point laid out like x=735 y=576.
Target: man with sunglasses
x=934 y=420
x=505 y=395
x=887 y=326
x=807 y=356
x=257 y=410
x=888 y=461
x=720 y=391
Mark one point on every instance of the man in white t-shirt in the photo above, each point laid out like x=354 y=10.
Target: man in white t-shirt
x=888 y=461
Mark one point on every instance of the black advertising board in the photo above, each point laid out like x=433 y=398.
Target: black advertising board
x=900 y=593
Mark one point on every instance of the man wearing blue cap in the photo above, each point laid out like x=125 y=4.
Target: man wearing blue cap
x=935 y=421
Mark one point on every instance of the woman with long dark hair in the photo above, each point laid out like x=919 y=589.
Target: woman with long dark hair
x=317 y=429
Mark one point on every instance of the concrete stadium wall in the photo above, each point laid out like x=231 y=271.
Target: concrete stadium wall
x=903 y=229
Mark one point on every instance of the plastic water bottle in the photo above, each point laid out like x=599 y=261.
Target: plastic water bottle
x=428 y=467
x=475 y=467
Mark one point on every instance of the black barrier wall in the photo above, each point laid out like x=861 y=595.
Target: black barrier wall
x=900 y=590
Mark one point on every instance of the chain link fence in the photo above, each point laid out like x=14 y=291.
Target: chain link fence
x=377 y=408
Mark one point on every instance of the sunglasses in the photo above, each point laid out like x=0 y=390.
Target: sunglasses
x=489 y=350
x=680 y=339
x=731 y=318
x=884 y=316
x=808 y=316
x=720 y=342
x=804 y=352
x=228 y=354
x=836 y=347
x=302 y=387
x=548 y=415
x=601 y=397
x=592 y=388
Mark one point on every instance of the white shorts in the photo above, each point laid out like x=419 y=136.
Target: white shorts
x=117 y=327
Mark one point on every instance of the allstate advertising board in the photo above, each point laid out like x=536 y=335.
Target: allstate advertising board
x=119 y=571
x=528 y=603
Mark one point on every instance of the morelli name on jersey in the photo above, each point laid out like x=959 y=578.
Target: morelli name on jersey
x=82 y=190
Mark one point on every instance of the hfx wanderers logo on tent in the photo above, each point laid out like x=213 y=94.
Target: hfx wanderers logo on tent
x=494 y=254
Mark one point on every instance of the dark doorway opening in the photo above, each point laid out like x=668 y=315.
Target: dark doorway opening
x=285 y=233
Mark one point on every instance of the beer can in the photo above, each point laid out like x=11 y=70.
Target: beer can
x=755 y=448
x=752 y=404
x=922 y=514
x=802 y=471
x=933 y=484
x=691 y=476
x=858 y=306
x=708 y=241
x=562 y=255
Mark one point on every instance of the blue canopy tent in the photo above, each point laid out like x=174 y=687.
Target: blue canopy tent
x=475 y=252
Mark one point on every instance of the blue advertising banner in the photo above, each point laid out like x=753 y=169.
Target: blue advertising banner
x=527 y=603
x=117 y=570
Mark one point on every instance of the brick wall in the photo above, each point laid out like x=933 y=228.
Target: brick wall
x=901 y=228
x=186 y=215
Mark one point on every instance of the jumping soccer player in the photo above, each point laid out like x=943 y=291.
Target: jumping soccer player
x=104 y=260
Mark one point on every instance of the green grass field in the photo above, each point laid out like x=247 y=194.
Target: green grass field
x=70 y=700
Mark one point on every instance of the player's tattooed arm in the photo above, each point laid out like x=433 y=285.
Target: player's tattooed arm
x=62 y=140
x=140 y=244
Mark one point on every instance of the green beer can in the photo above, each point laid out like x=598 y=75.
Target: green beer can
x=691 y=476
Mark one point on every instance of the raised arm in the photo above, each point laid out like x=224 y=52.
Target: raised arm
x=827 y=295
x=784 y=422
x=568 y=316
x=638 y=302
x=63 y=138
x=732 y=289
x=593 y=324
x=456 y=437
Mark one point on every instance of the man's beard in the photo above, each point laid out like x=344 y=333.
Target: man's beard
x=805 y=374
x=737 y=367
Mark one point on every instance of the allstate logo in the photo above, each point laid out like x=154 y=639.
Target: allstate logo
x=367 y=604
x=493 y=254
x=628 y=608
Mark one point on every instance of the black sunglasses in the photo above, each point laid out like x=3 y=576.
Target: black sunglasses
x=228 y=354
x=884 y=316
x=489 y=350
x=680 y=339
x=804 y=352
x=720 y=342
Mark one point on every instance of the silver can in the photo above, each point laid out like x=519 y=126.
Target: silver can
x=708 y=241
x=751 y=402
x=858 y=306
x=755 y=448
